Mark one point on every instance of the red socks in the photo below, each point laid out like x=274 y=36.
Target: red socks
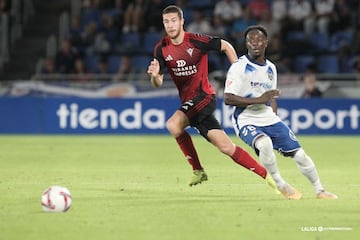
x=243 y=158
x=240 y=156
x=187 y=147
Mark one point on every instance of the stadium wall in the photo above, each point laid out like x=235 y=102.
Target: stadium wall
x=38 y=115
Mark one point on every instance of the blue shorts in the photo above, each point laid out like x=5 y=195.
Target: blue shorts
x=284 y=140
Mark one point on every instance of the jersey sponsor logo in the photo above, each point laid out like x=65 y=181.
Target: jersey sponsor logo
x=180 y=63
x=183 y=70
x=261 y=85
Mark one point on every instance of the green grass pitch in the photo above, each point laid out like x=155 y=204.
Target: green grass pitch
x=135 y=187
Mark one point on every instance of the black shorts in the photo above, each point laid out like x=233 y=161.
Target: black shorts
x=199 y=111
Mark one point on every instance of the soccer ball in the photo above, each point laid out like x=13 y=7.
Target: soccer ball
x=56 y=199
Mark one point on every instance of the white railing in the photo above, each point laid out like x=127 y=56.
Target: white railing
x=291 y=85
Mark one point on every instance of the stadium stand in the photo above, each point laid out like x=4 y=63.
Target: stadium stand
x=298 y=49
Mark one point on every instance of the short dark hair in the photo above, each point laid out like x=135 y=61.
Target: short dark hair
x=255 y=27
x=173 y=9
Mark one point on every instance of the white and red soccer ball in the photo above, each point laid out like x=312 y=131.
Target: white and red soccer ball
x=56 y=199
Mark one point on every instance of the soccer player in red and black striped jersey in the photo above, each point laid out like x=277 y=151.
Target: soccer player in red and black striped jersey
x=184 y=54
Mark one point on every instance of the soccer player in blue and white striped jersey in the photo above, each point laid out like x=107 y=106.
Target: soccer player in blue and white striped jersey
x=251 y=86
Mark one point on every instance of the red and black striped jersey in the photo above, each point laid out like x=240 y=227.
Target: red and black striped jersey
x=187 y=63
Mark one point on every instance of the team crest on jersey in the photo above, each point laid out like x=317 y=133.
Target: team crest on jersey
x=270 y=74
x=168 y=58
x=190 y=51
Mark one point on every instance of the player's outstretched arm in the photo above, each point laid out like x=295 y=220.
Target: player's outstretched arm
x=154 y=71
x=229 y=50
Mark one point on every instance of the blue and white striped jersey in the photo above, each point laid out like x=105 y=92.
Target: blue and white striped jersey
x=246 y=78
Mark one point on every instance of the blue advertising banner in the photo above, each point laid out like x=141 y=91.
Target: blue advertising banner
x=33 y=115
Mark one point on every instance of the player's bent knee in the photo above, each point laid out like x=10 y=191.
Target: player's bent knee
x=302 y=159
x=299 y=154
x=169 y=126
x=173 y=128
x=264 y=145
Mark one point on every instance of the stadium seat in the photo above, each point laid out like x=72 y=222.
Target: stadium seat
x=141 y=62
x=91 y=15
x=340 y=39
x=203 y=4
x=347 y=65
x=150 y=40
x=169 y=2
x=295 y=36
x=328 y=64
x=113 y=12
x=244 y=2
x=91 y=62
x=113 y=63
x=320 y=41
x=214 y=62
x=302 y=62
x=130 y=42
